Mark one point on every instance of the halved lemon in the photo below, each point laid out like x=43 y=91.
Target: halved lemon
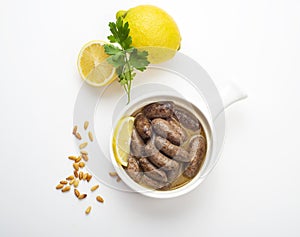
x=92 y=64
x=122 y=138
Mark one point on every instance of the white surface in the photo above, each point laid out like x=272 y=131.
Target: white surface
x=255 y=188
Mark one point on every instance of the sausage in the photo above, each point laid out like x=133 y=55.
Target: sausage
x=158 y=159
x=151 y=171
x=177 y=127
x=173 y=151
x=197 y=153
x=133 y=169
x=147 y=181
x=143 y=126
x=163 y=162
x=187 y=119
x=137 y=145
x=162 y=109
x=164 y=129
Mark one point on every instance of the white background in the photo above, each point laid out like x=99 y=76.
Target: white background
x=255 y=188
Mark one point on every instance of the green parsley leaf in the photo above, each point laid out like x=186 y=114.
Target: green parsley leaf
x=124 y=58
x=138 y=59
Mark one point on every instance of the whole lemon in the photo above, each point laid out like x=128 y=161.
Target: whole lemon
x=154 y=30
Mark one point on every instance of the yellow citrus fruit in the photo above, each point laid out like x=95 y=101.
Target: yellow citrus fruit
x=121 y=139
x=92 y=64
x=154 y=30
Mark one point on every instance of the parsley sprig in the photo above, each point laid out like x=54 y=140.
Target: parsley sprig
x=123 y=56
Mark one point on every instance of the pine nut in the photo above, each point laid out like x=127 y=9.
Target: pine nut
x=82 y=196
x=76 y=166
x=81 y=164
x=66 y=189
x=70 y=177
x=94 y=188
x=91 y=137
x=88 y=210
x=86 y=124
x=76 y=192
x=59 y=186
x=83 y=145
x=99 y=199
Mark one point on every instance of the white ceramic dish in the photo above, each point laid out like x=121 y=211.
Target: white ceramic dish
x=181 y=78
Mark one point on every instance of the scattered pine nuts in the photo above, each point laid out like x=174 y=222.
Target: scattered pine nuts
x=91 y=137
x=82 y=196
x=83 y=145
x=86 y=124
x=73 y=180
x=59 y=186
x=99 y=199
x=66 y=189
x=74 y=130
x=70 y=177
x=94 y=188
x=76 y=192
x=88 y=210
x=113 y=174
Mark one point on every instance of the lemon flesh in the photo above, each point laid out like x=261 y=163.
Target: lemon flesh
x=121 y=140
x=92 y=64
x=154 y=30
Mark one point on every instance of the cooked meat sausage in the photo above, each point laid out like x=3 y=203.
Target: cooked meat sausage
x=197 y=153
x=147 y=181
x=163 y=162
x=187 y=119
x=133 y=169
x=164 y=129
x=137 y=145
x=176 y=152
x=151 y=171
x=143 y=126
x=178 y=128
x=158 y=110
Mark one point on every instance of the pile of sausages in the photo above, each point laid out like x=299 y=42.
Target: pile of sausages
x=156 y=157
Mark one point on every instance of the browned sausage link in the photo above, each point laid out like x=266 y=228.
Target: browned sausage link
x=176 y=152
x=151 y=171
x=187 y=119
x=137 y=145
x=164 y=129
x=133 y=169
x=177 y=127
x=163 y=162
x=143 y=126
x=197 y=153
x=147 y=181
x=162 y=109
